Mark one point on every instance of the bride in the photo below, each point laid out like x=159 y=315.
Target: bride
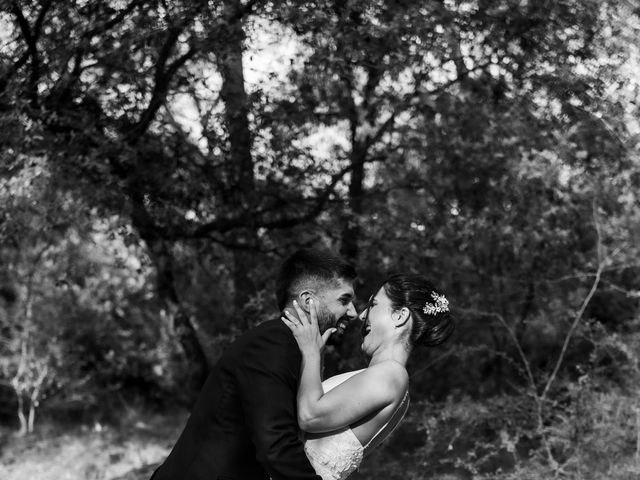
x=348 y=415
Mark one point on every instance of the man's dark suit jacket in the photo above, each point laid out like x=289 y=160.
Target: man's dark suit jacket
x=244 y=424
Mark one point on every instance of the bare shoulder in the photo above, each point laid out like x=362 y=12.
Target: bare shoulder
x=390 y=374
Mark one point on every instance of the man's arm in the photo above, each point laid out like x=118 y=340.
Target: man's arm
x=267 y=378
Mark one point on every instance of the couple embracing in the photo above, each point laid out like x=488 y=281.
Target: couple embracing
x=264 y=411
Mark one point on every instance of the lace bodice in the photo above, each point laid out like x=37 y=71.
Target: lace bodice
x=335 y=455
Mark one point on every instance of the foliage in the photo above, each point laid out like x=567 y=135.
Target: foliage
x=79 y=324
x=152 y=178
x=595 y=434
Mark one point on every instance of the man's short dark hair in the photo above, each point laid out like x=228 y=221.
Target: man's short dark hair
x=310 y=268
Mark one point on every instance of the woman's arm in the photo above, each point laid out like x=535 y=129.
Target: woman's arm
x=363 y=394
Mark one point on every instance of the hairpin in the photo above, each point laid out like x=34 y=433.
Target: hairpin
x=439 y=305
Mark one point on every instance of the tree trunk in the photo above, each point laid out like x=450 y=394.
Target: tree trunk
x=242 y=188
x=183 y=326
x=160 y=253
x=21 y=416
x=32 y=416
x=352 y=230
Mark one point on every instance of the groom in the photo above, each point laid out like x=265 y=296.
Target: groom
x=244 y=424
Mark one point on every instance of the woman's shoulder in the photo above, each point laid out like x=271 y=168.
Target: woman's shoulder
x=336 y=380
x=392 y=373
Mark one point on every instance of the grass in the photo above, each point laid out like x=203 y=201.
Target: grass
x=129 y=450
x=595 y=434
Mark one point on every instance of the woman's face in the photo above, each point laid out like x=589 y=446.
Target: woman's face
x=377 y=326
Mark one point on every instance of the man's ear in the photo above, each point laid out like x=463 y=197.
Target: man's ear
x=401 y=317
x=303 y=299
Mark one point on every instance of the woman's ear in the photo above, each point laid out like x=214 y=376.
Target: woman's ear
x=401 y=317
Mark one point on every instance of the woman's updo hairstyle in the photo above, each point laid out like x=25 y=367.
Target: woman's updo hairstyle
x=432 y=321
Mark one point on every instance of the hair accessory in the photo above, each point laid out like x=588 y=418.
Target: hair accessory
x=440 y=304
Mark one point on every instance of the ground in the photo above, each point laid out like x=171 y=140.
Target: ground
x=128 y=451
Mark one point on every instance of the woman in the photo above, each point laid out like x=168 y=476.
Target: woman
x=348 y=415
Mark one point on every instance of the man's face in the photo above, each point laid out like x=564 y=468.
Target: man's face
x=335 y=306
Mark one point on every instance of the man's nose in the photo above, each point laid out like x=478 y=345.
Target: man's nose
x=351 y=312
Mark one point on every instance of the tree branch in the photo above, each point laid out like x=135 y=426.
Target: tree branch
x=409 y=99
x=119 y=17
x=31 y=37
x=223 y=225
x=583 y=307
x=162 y=79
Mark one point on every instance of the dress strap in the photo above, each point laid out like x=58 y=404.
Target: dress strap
x=390 y=426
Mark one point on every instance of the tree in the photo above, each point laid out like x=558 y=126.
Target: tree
x=465 y=140
x=110 y=131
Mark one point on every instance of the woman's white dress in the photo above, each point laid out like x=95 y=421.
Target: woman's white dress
x=336 y=455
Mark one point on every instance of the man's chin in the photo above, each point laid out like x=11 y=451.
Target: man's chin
x=335 y=339
x=341 y=326
x=337 y=336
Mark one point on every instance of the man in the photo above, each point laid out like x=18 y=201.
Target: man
x=244 y=424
